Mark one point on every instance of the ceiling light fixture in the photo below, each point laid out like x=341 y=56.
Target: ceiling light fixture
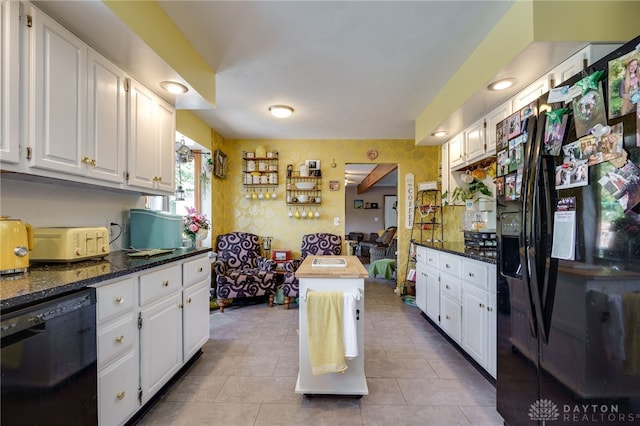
x=174 y=87
x=439 y=133
x=502 y=84
x=281 y=111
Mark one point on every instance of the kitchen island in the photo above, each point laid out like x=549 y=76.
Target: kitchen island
x=348 y=279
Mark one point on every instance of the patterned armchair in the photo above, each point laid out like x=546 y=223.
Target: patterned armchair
x=319 y=244
x=240 y=269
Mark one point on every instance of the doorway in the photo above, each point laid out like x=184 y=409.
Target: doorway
x=366 y=210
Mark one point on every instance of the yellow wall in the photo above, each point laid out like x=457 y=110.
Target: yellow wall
x=232 y=212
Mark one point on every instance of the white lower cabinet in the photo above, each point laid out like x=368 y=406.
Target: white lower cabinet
x=160 y=344
x=421 y=287
x=451 y=317
x=474 y=306
x=459 y=295
x=433 y=295
x=118 y=352
x=118 y=389
x=149 y=324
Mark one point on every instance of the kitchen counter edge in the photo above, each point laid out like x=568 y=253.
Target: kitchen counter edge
x=456 y=248
x=45 y=281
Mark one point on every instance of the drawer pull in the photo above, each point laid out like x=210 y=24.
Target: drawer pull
x=447 y=266
x=448 y=287
x=119 y=300
x=200 y=269
x=447 y=317
x=471 y=274
x=165 y=283
x=120 y=395
x=482 y=305
x=489 y=309
x=119 y=339
x=189 y=300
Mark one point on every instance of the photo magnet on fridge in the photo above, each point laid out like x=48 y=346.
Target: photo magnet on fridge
x=588 y=110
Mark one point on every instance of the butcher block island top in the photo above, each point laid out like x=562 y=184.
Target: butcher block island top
x=353 y=268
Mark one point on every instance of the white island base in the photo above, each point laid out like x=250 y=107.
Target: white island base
x=349 y=278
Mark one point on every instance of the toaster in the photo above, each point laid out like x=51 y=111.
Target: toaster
x=69 y=244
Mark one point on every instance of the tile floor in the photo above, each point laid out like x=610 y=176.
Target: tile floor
x=247 y=374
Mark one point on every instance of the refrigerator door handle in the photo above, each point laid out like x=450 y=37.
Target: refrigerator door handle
x=548 y=268
x=526 y=232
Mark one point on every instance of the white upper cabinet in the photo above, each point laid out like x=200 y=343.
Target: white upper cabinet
x=474 y=145
x=151 y=154
x=9 y=89
x=57 y=106
x=531 y=93
x=444 y=170
x=104 y=152
x=456 y=151
x=492 y=119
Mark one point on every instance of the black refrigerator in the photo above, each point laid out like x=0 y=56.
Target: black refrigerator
x=568 y=196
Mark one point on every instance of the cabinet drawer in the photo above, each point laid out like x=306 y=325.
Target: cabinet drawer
x=115 y=299
x=475 y=273
x=421 y=254
x=160 y=283
x=118 y=390
x=433 y=257
x=116 y=338
x=451 y=286
x=449 y=264
x=196 y=270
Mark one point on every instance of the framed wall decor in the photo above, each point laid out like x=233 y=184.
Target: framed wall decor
x=219 y=164
x=334 y=185
x=358 y=204
x=312 y=164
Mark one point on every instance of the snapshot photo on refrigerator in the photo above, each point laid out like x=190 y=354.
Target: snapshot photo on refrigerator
x=568 y=228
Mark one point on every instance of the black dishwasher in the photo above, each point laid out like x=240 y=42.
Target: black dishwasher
x=48 y=363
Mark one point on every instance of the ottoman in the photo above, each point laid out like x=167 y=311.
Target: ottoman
x=383 y=267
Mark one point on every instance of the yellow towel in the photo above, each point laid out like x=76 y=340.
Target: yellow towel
x=631 y=308
x=324 y=332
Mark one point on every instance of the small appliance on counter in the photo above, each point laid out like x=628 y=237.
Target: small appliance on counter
x=152 y=229
x=69 y=244
x=16 y=240
x=481 y=243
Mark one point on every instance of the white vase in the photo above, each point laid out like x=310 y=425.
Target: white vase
x=202 y=233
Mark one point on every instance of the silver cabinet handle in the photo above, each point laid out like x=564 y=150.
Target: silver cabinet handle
x=119 y=300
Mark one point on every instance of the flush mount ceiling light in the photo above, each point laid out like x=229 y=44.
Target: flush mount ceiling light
x=174 y=87
x=502 y=84
x=439 y=134
x=281 y=111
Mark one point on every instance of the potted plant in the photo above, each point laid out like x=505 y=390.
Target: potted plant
x=469 y=194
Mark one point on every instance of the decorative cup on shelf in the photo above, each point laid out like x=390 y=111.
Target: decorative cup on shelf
x=304 y=170
x=318 y=199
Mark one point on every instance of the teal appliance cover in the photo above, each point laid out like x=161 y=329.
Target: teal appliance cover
x=151 y=229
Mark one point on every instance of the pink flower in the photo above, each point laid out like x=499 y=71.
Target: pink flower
x=193 y=227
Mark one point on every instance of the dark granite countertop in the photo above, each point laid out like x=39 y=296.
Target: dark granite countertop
x=44 y=281
x=456 y=248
